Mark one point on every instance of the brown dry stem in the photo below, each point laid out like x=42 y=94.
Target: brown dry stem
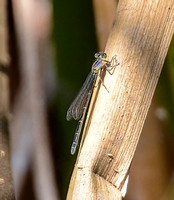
x=6 y=183
x=140 y=36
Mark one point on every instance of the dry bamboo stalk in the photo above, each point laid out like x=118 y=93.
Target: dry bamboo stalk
x=140 y=36
x=145 y=170
x=6 y=184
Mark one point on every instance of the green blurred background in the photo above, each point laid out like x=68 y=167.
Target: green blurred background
x=75 y=43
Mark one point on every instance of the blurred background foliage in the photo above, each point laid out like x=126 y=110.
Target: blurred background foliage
x=75 y=43
x=165 y=87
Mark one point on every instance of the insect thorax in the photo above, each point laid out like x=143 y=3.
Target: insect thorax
x=97 y=65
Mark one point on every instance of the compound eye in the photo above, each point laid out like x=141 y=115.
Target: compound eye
x=104 y=55
x=100 y=54
x=97 y=55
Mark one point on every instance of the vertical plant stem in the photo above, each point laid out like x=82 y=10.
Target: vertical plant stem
x=6 y=183
x=140 y=36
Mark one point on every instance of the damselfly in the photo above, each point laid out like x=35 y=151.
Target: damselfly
x=78 y=108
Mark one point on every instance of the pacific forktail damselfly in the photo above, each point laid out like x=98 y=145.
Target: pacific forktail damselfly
x=77 y=109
